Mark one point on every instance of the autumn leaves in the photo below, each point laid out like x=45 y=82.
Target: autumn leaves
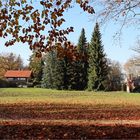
x=40 y=27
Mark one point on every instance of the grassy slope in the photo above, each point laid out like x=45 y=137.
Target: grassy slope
x=36 y=95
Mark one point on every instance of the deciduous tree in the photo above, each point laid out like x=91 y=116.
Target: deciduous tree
x=115 y=75
x=61 y=70
x=126 y=11
x=39 y=26
x=10 y=61
x=132 y=66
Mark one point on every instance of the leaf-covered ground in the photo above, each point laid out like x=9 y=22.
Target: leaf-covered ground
x=40 y=114
x=68 y=112
x=65 y=131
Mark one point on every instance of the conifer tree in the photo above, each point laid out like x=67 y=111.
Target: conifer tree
x=53 y=72
x=66 y=64
x=48 y=70
x=82 y=42
x=61 y=71
x=72 y=75
x=60 y=74
x=36 y=66
x=98 y=69
x=82 y=62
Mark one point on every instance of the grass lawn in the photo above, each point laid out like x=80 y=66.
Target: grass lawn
x=32 y=113
x=36 y=95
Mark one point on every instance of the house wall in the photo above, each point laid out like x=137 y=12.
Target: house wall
x=18 y=81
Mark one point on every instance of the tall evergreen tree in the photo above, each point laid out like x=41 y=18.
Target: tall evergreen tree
x=82 y=62
x=60 y=80
x=69 y=67
x=72 y=75
x=53 y=72
x=72 y=68
x=82 y=42
x=98 y=68
x=36 y=66
x=47 y=79
x=62 y=70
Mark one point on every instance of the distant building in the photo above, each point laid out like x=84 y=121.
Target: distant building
x=18 y=76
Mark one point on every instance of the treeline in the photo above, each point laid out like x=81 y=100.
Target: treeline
x=77 y=68
x=80 y=67
x=9 y=61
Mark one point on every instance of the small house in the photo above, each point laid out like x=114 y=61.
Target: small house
x=18 y=76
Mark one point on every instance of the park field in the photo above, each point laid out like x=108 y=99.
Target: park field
x=33 y=113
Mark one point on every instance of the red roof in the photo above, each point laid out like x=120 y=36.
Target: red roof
x=18 y=73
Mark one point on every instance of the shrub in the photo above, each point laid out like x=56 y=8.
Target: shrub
x=3 y=83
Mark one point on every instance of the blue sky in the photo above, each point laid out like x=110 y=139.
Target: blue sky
x=78 y=19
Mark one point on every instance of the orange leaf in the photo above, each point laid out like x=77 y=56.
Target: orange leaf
x=53 y=16
x=78 y=1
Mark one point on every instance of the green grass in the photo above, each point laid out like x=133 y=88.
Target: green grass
x=37 y=95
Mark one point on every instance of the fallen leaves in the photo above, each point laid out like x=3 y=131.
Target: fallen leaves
x=65 y=121
x=66 y=112
x=54 y=131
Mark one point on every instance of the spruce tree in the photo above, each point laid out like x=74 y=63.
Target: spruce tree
x=72 y=69
x=53 y=72
x=60 y=74
x=82 y=42
x=72 y=75
x=98 y=69
x=36 y=66
x=48 y=70
x=68 y=69
x=82 y=63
